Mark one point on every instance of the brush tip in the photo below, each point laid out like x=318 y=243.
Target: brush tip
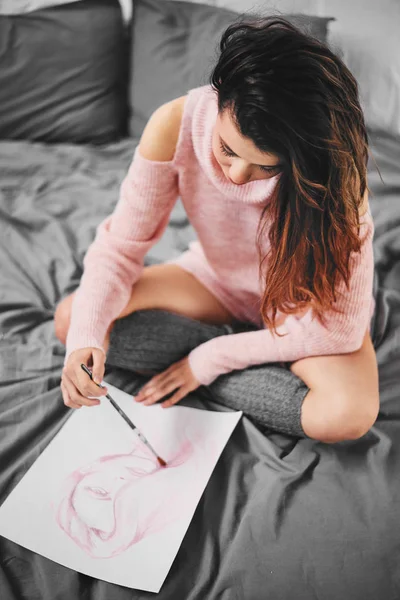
x=161 y=461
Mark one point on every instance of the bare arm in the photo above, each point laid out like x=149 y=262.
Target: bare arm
x=160 y=136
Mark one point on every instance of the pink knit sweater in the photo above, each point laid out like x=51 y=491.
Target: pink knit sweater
x=224 y=256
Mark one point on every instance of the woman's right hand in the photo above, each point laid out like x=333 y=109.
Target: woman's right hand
x=76 y=385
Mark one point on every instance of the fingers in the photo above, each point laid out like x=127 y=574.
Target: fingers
x=154 y=390
x=177 y=378
x=181 y=393
x=67 y=398
x=77 y=386
x=162 y=384
x=84 y=384
x=98 y=365
x=79 y=377
x=72 y=396
x=158 y=381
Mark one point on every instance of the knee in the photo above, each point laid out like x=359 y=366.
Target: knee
x=353 y=424
x=339 y=419
x=62 y=318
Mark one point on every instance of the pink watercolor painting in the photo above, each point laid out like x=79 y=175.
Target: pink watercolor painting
x=106 y=505
x=97 y=501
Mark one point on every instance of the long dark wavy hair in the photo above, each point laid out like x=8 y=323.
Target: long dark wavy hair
x=292 y=96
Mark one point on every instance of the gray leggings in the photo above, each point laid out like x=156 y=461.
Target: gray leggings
x=149 y=341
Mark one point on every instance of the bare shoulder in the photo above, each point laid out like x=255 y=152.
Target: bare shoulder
x=160 y=136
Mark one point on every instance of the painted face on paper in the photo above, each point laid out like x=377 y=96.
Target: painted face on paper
x=94 y=495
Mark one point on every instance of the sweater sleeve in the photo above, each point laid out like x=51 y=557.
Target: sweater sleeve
x=115 y=259
x=304 y=335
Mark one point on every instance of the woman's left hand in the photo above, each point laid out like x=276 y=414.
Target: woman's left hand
x=178 y=375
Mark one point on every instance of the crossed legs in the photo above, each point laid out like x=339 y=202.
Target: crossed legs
x=340 y=398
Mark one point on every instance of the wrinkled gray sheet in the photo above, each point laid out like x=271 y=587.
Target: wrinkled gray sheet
x=280 y=518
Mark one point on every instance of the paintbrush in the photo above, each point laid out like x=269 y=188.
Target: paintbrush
x=161 y=462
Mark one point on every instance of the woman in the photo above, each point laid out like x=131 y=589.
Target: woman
x=270 y=161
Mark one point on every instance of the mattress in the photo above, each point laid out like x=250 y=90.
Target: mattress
x=281 y=517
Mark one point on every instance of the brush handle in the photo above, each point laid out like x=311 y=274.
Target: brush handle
x=134 y=427
x=121 y=412
x=143 y=439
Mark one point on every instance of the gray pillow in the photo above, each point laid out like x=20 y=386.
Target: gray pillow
x=174 y=48
x=62 y=74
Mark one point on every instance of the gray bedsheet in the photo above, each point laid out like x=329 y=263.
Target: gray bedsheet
x=280 y=518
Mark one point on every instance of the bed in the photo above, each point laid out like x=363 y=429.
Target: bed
x=281 y=517
x=278 y=514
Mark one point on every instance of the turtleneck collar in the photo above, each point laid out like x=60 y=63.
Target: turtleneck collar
x=203 y=122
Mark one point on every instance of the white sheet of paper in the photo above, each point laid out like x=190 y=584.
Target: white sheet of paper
x=96 y=499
